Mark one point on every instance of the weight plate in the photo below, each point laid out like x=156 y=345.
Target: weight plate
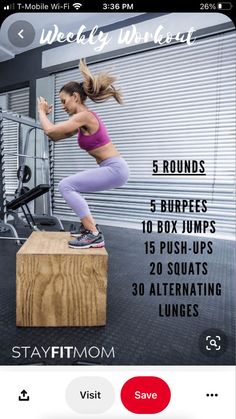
x=24 y=173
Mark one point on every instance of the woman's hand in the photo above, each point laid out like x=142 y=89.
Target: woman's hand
x=43 y=106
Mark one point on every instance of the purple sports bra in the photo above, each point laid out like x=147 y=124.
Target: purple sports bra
x=98 y=139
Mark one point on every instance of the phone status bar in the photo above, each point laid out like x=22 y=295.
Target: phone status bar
x=112 y=7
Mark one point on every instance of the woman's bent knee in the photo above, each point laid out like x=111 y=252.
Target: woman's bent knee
x=63 y=185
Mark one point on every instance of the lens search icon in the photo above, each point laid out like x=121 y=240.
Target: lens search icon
x=213 y=342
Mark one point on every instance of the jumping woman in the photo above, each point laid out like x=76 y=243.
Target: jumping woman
x=112 y=171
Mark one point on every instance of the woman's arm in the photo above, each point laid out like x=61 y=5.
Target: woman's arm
x=61 y=130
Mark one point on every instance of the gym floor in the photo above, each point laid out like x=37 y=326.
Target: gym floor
x=134 y=329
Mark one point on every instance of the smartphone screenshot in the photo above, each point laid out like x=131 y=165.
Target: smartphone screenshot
x=117 y=210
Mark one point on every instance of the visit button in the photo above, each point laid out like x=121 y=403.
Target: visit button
x=145 y=395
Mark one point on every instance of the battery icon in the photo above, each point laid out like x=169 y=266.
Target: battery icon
x=224 y=6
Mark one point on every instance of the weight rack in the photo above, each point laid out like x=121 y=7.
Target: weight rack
x=4 y=212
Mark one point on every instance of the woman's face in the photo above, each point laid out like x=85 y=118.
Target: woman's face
x=69 y=102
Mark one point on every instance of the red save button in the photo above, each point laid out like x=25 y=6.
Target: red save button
x=143 y=395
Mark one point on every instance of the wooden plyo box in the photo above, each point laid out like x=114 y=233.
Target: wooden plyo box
x=60 y=286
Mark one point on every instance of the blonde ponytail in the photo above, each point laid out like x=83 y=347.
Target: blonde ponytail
x=98 y=88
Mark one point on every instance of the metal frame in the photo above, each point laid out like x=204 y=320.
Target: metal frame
x=4 y=225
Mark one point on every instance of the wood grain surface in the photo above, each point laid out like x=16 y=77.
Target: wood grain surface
x=59 y=286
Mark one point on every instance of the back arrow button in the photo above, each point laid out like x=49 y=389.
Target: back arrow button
x=21 y=33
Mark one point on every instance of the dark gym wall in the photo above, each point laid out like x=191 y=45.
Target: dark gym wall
x=21 y=72
x=25 y=68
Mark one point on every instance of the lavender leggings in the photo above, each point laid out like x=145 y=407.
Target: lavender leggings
x=111 y=173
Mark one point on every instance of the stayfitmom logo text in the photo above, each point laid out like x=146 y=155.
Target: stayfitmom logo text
x=98 y=39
